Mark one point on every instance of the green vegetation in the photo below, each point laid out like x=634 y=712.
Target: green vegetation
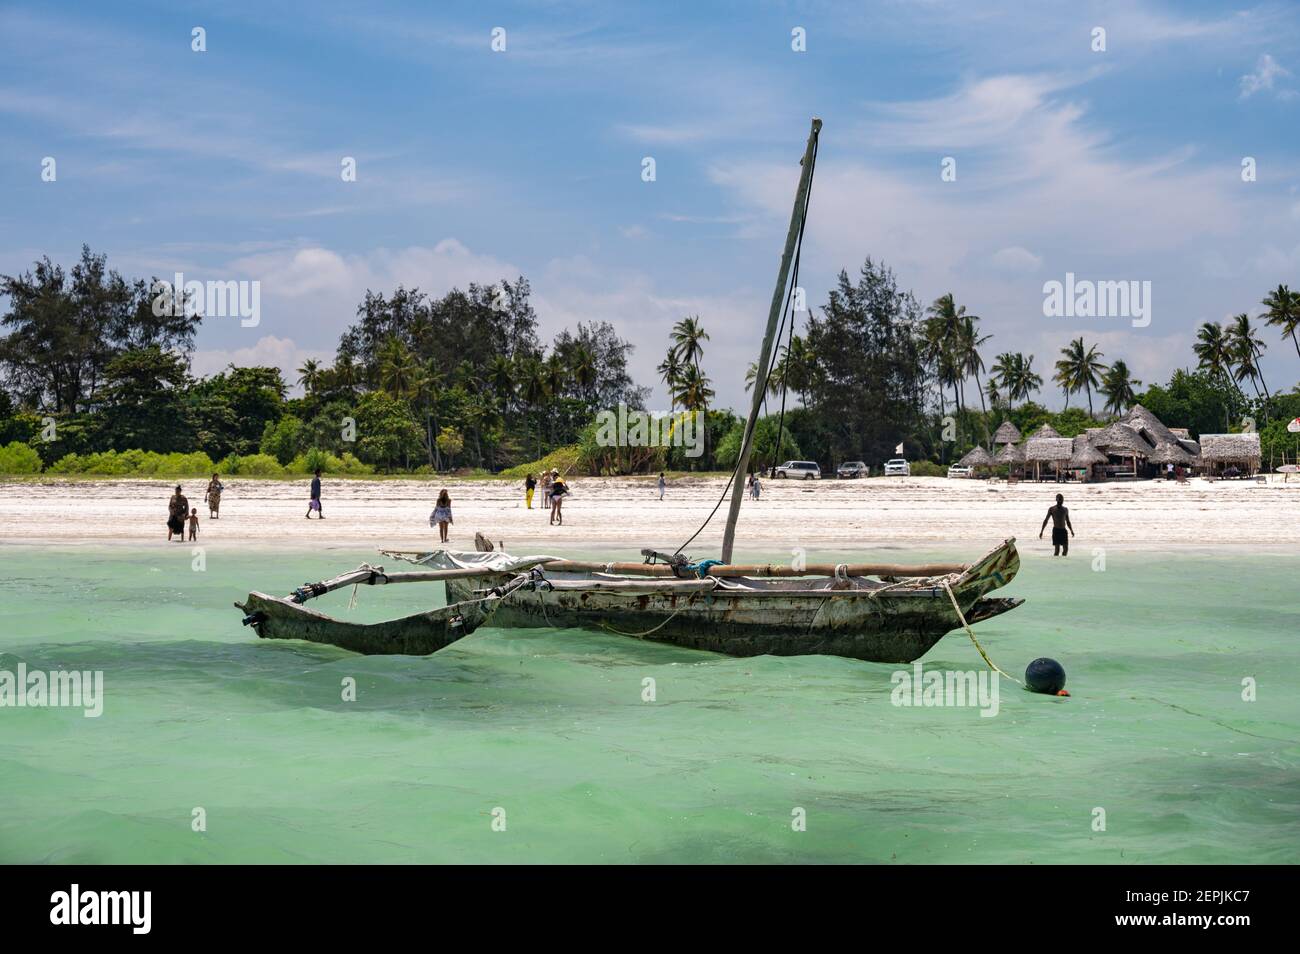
x=94 y=383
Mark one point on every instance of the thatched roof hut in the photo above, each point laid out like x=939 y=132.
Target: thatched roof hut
x=1085 y=456
x=1123 y=440
x=1007 y=433
x=1230 y=449
x=1048 y=449
x=1149 y=427
x=1167 y=453
x=978 y=457
x=1047 y=430
x=1011 y=454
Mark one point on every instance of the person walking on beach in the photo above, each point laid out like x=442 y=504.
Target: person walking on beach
x=442 y=515
x=755 y=487
x=530 y=484
x=663 y=485
x=558 y=491
x=314 y=502
x=546 y=489
x=178 y=508
x=213 y=496
x=1060 y=517
x=194 y=523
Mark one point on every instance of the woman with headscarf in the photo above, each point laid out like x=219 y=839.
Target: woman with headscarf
x=178 y=508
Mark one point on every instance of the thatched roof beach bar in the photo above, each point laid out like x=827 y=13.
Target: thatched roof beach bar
x=1007 y=433
x=1222 y=454
x=1048 y=450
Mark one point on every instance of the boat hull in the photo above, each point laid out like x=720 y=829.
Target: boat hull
x=416 y=635
x=889 y=622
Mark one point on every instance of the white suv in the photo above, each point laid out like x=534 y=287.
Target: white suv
x=897 y=468
x=806 y=469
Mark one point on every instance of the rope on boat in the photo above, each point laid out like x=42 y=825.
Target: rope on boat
x=647 y=632
x=971 y=633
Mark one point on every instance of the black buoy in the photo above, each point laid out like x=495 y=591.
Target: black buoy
x=1045 y=675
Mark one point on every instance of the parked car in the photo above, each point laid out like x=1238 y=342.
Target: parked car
x=959 y=470
x=806 y=469
x=898 y=468
x=851 y=468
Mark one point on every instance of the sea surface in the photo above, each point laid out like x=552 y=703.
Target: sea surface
x=541 y=746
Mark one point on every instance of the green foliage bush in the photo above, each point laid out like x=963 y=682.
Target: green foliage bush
x=17 y=457
x=251 y=465
x=134 y=463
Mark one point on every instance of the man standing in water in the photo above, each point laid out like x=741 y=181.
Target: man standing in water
x=314 y=503
x=1060 y=518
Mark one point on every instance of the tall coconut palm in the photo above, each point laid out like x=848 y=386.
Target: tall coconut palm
x=309 y=374
x=1284 y=312
x=1118 y=387
x=1213 y=351
x=970 y=343
x=1015 y=376
x=1245 y=350
x=693 y=390
x=501 y=378
x=688 y=338
x=532 y=390
x=670 y=372
x=774 y=378
x=799 y=367
x=942 y=332
x=1079 y=369
x=582 y=364
x=397 y=367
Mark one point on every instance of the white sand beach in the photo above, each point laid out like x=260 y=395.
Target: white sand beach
x=625 y=514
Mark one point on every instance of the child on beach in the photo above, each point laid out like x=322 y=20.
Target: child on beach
x=663 y=485
x=194 y=523
x=755 y=488
x=546 y=490
x=442 y=514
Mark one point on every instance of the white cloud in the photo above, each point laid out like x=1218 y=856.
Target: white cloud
x=268 y=351
x=1267 y=72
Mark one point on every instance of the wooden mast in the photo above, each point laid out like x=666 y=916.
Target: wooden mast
x=765 y=356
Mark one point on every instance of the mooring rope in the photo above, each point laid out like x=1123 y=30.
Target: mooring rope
x=971 y=633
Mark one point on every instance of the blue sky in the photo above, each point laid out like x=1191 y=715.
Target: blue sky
x=475 y=165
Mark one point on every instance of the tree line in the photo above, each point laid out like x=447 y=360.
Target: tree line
x=464 y=382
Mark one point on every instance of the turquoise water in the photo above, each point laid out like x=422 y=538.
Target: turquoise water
x=551 y=727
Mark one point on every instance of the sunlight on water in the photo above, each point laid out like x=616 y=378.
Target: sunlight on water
x=551 y=727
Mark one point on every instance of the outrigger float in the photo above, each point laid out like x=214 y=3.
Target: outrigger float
x=875 y=612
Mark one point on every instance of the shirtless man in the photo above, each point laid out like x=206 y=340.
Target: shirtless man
x=1060 y=518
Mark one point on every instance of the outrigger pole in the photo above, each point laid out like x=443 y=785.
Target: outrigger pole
x=765 y=357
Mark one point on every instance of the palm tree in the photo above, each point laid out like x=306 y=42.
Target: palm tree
x=397 y=367
x=532 y=389
x=583 y=367
x=670 y=372
x=773 y=379
x=310 y=374
x=943 y=336
x=1014 y=375
x=693 y=390
x=1213 y=351
x=799 y=367
x=688 y=338
x=1119 y=388
x=345 y=372
x=1079 y=370
x=969 y=355
x=1245 y=349
x=501 y=377
x=1284 y=311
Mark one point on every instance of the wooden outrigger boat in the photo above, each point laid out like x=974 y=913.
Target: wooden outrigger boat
x=875 y=612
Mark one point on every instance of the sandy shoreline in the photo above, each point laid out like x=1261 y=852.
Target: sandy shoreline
x=625 y=514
